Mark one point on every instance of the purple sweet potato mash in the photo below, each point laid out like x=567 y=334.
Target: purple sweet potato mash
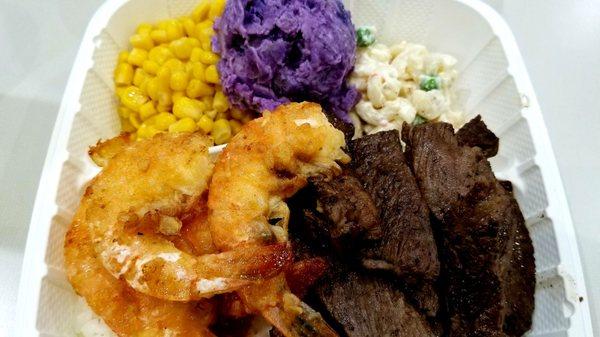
x=277 y=51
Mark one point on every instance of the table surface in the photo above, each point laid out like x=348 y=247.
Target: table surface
x=559 y=40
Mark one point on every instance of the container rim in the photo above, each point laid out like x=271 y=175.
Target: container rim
x=34 y=268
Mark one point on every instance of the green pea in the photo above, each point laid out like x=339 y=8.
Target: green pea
x=429 y=83
x=365 y=36
x=419 y=120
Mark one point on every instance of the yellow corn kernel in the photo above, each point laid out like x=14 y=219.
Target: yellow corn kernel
x=164 y=77
x=119 y=91
x=144 y=85
x=236 y=126
x=134 y=119
x=162 y=24
x=206 y=45
x=204 y=30
x=222 y=115
x=208 y=101
x=188 y=68
x=236 y=113
x=147 y=110
x=212 y=114
x=146 y=131
x=220 y=102
x=160 y=54
x=126 y=125
x=187 y=107
x=133 y=98
x=196 y=89
x=163 y=108
x=179 y=80
x=123 y=56
x=137 y=57
x=198 y=70
x=205 y=124
x=194 y=41
x=144 y=28
x=182 y=48
x=195 y=55
x=123 y=74
x=150 y=67
x=159 y=36
x=165 y=98
x=221 y=131
x=201 y=11
x=211 y=74
x=188 y=26
x=162 y=121
x=139 y=77
x=204 y=24
x=174 y=64
x=177 y=95
x=216 y=8
x=142 y=41
x=183 y=125
x=174 y=30
x=124 y=111
x=208 y=57
x=152 y=87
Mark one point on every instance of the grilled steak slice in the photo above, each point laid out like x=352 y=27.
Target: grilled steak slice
x=407 y=246
x=365 y=305
x=476 y=133
x=349 y=208
x=486 y=252
x=334 y=215
x=520 y=279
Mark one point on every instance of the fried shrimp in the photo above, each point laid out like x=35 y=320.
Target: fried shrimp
x=269 y=160
x=126 y=311
x=150 y=184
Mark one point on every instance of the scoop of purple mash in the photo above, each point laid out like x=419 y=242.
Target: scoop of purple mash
x=277 y=51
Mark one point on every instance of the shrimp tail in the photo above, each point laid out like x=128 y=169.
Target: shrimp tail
x=261 y=262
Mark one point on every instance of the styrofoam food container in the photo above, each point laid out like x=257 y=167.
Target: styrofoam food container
x=491 y=72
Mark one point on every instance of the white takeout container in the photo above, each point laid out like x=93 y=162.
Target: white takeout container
x=491 y=72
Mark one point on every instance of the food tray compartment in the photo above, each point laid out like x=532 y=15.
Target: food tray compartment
x=492 y=80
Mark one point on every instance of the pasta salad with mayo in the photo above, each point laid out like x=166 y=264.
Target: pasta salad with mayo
x=402 y=83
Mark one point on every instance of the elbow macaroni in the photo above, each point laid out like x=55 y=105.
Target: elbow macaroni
x=390 y=80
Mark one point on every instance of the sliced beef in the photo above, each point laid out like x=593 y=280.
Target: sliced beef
x=486 y=252
x=366 y=305
x=335 y=214
x=520 y=278
x=476 y=133
x=407 y=246
x=351 y=212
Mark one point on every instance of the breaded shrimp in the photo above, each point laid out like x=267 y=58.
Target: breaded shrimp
x=151 y=184
x=126 y=311
x=104 y=151
x=269 y=160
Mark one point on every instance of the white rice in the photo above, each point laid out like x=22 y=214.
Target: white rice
x=88 y=324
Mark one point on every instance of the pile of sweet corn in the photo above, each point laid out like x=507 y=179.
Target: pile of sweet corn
x=169 y=80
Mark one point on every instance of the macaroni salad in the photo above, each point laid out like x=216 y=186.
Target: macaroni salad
x=403 y=83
